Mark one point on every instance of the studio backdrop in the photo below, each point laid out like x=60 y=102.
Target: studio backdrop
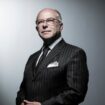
x=84 y=26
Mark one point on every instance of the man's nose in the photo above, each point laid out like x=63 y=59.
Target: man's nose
x=45 y=24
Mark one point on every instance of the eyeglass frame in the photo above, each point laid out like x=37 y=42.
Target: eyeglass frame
x=48 y=20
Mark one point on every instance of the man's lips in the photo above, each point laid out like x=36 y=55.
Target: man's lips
x=46 y=31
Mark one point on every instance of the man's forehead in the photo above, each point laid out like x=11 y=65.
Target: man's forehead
x=47 y=13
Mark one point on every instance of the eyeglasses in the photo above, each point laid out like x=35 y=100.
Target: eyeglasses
x=49 y=21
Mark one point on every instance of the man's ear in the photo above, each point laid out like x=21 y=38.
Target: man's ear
x=36 y=28
x=61 y=26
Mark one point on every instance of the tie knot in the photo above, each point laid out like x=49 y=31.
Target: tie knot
x=46 y=48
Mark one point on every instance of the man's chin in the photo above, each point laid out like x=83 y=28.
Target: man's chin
x=49 y=39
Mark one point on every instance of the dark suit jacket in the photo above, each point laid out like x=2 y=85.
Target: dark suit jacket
x=62 y=84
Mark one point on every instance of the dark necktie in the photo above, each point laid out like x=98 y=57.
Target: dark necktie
x=45 y=51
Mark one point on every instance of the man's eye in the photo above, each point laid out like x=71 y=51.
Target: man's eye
x=50 y=20
x=39 y=22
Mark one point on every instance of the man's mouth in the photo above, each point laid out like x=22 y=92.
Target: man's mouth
x=46 y=31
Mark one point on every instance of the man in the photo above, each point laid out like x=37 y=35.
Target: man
x=60 y=76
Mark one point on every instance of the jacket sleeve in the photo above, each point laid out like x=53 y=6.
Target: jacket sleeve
x=21 y=93
x=77 y=81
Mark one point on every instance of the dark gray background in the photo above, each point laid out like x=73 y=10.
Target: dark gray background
x=84 y=26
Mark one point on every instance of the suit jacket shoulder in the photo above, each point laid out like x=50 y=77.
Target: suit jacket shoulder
x=70 y=50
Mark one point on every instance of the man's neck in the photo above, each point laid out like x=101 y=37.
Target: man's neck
x=48 y=42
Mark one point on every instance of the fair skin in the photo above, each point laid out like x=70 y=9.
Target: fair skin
x=46 y=30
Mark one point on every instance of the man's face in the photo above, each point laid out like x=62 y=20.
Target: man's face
x=48 y=24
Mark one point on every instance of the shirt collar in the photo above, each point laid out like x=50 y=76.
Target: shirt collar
x=55 y=43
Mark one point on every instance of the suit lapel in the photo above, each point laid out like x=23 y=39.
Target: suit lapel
x=34 y=60
x=56 y=50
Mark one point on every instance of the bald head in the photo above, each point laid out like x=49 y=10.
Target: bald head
x=50 y=11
